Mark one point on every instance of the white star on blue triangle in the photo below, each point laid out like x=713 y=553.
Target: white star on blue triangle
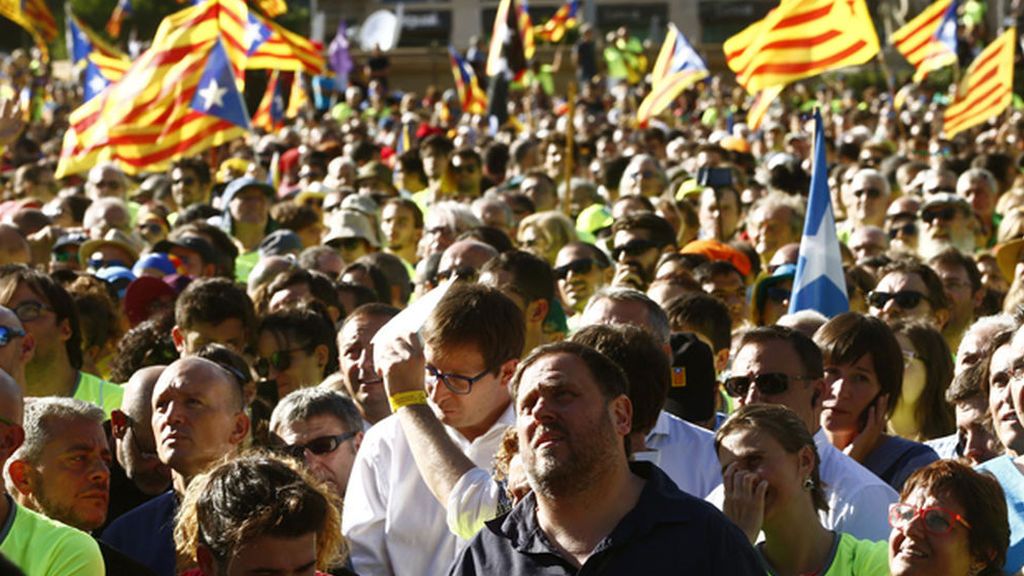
x=95 y=82
x=819 y=283
x=80 y=44
x=946 y=32
x=217 y=94
x=255 y=34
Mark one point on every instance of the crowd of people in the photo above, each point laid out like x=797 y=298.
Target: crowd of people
x=393 y=338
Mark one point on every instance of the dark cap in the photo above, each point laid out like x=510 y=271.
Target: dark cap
x=196 y=244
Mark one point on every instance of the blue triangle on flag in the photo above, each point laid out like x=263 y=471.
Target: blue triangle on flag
x=946 y=32
x=95 y=82
x=216 y=94
x=256 y=33
x=81 y=46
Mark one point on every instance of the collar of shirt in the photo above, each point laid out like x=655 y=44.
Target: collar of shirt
x=507 y=418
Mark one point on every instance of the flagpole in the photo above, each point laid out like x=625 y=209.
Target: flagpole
x=569 y=157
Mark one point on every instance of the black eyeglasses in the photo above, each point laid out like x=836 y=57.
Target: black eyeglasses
x=579 y=267
x=467 y=273
x=633 y=248
x=456 y=383
x=945 y=214
x=31 y=310
x=348 y=243
x=280 y=361
x=906 y=299
x=318 y=446
x=871 y=193
x=769 y=383
x=904 y=230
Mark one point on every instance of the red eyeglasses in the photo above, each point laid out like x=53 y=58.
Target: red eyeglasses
x=936 y=520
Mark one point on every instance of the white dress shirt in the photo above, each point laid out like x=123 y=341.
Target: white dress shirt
x=685 y=452
x=392 y=521
x=858 y=501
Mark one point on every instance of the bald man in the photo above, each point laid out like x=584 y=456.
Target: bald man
x=465 y=258
x=198 y=417
x=33 y=542
x=137 y=474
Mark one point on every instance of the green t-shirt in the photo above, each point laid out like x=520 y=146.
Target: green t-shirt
x=852 y=557
x=244 y=265
x=44 y=547
x=98 y=391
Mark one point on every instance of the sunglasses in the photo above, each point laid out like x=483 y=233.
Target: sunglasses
x=871 y=193
x=187 y=181
x=905 y=230
x=7 y=334
x=945 y=214
x=280 y=361
x=769 y=383
x=777 y=294
x=348 y=243
x=936 y=520
x=31 y=310
x=467 y=273
x=579 y=267
x=456 y=383
x=150 y=228
x=906 y=299
x=318 y=446
x=633 y=248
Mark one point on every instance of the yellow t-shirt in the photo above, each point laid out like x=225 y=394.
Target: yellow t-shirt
x=97 y=391
x=44 y=547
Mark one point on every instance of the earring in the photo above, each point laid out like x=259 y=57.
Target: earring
x=808 y=484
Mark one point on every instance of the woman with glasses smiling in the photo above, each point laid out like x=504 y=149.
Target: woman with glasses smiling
x=950 y=521
x=864 y=383
x=772 y=485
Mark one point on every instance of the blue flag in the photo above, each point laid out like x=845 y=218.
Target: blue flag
x=216 y=93
x=819 y=283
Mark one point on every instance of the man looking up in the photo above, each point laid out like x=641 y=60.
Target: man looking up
x=48 y=313
x=31 y=541
x=587 y=500
x=472 y=341
x=198 y=418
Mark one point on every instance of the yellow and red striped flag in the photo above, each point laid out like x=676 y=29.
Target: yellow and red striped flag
x=35 y=17
x=270 y=113
x=678 y=67
x=273 y=8
x=472 y=99
x=987 y=87
x=273 y=47
x=298 y=98
x=799 y=39
x=511 y=39
x=759 y=106
x=182 y=96
x=561 y=22
x=928 y=41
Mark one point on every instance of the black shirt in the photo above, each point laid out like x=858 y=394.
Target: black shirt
x=667 y=532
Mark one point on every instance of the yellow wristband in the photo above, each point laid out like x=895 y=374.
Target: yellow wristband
x=407 y=399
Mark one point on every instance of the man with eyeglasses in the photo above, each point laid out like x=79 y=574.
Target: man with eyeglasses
x=464 y=259
x=465 y=170
x=32 y=542
x=909 y=290
x=581 y=270
x=946 y=220
x=638 y=240
x=321 y=428
x=778 y=365
x=295 y=349
x=198 y=419
x=16 y=348
x=47 y=313
x=455 y=384
x=961 y=281
x=106 y=181
x=867 y=198
x=136 y=474
x=190 y=182
x=901 y=223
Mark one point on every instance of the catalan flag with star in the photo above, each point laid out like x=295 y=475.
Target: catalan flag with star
x=471 y=97
x=987 y=86
x=101 y=62
x=678 y=67
x=270 y=113
x=181 y=96
x=928 y=41
x=800 y=39
x=273 y=47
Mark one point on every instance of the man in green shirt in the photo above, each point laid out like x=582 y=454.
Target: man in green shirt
x=35 y=544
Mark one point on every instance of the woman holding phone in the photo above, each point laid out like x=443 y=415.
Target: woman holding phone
x=863 y=380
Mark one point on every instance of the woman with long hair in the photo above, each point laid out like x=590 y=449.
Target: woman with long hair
x=772 y=486
x=863 y=379
x=921 y=412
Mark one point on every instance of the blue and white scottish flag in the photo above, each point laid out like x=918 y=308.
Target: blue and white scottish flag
x=819 y=283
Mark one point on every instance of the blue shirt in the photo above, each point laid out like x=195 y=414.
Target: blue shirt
x=667 y=532
x=895 y=459
x=1012 y=482
x=146 y=534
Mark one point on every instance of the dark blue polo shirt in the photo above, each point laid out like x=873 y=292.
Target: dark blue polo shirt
x=146 y=534
x=667 y=532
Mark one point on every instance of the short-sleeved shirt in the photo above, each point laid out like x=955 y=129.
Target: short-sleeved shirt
x=146 y=534
x=667 y=532
x=1012 y=482
x=852 y=557
x=98 y=391
x=40 y=546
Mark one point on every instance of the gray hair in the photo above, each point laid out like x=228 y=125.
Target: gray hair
x=974 y=174
x=306 y=403
x=96 y=172
x=777 y=199
x=41 y=414
x=453 y=215
x=877 y=176
x=98 y=206
x=657 y=319
x=489 y=200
